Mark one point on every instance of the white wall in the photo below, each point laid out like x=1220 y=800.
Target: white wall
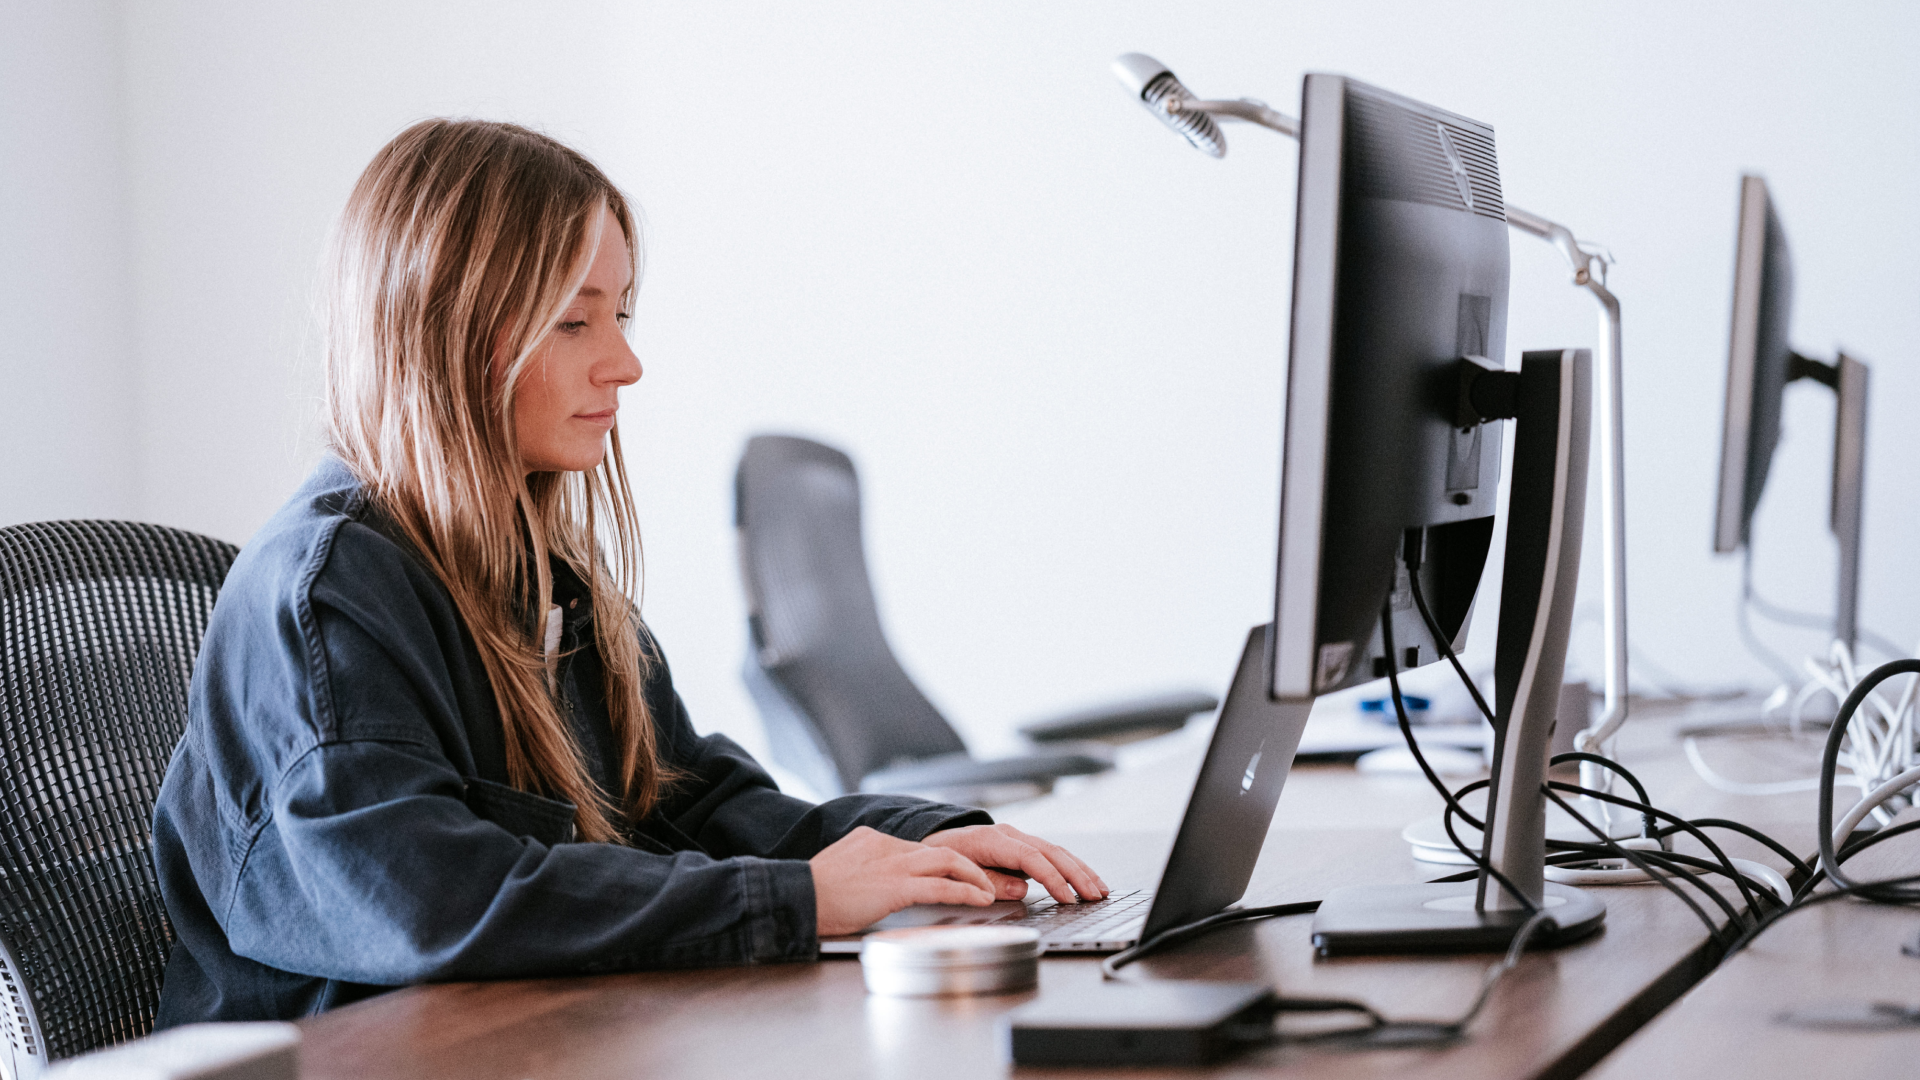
x=1051 y=335
x=68 y=410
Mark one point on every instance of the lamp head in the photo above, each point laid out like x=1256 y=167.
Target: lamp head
x=1157 y=88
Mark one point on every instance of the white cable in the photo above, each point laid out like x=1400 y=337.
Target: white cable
x=1616 y=875
x=1767 y=874
x=1633 y=875
x=1872 y=802
x=1880 y=738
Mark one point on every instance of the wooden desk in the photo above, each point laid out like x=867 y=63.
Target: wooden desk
x=1840 y=951
x=1556 y=1015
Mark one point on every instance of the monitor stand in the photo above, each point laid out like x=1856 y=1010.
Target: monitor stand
x=1849 y=476
x=1548 y=399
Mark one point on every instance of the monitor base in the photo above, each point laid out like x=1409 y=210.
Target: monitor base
x=1440 y=918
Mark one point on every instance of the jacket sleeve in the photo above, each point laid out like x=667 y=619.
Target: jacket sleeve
x=731 y=806
x=359 y=854
x=376 y=870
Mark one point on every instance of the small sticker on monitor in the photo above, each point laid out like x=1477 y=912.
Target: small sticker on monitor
x=1334 y=659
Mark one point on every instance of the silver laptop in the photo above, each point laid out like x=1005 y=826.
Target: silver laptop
x=1213 y=855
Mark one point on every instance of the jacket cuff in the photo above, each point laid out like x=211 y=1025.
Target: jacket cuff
x=782 y=922
x=933 y=817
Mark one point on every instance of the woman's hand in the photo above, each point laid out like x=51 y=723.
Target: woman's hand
x=1003 y=847
x=867 y=875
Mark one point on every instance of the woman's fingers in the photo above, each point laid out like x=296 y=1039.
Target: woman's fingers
x=1030 y=860
x=1064 y=876
x=1053 y=866
x=1075 y=869
x=940 y=862
x=1007 y=886
x=941 y=890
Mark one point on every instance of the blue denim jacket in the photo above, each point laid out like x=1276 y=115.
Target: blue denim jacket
x=337 y=820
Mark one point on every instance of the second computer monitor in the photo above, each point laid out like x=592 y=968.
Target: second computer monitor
x=1758 y=361
x=1761 y=362
x=1400 y=270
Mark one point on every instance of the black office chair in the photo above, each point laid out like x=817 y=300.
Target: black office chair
x=100 y=622
x=839 y=710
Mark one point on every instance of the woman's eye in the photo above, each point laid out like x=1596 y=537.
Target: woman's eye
x=623 y=317
x=573 y=327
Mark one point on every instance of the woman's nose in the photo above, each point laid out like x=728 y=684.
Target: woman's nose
x=622 y=367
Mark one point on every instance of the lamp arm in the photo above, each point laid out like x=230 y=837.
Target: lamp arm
x=1247 y=109
x=1590 y=271
x=1613 y=531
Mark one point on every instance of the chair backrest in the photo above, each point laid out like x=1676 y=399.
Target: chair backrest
x=815 y=628
x=100 y=622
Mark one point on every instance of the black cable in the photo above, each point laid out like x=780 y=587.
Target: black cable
x=1713 y=930
x=1401 y=1033
x=1800 y=868
x=1174 y=935
x=1578 y=854
x=1861 y=890
x=1413 y=745
x=1445 y=645
x=1440 y=639
x=1858 y=844
x=1608 y=764
x=1697 y=834
x=1382 y=1033
x=1604 y=850
x=1854 y=846
x=1648 y=812
x=1761 y=889
x=1830 y=764
x=1446 y=822
x=1646 y=820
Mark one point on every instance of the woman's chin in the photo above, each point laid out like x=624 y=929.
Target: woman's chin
x=571 y=463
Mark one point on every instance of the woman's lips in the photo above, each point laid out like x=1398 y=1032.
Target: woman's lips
x=603 y=418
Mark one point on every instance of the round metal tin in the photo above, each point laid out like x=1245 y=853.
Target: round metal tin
x=933 y=961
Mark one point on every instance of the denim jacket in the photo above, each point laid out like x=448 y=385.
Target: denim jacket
x=337 y=820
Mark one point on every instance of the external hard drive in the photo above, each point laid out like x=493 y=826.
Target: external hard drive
x=1162 y=1023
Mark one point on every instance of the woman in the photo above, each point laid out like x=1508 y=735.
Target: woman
x=429 y=737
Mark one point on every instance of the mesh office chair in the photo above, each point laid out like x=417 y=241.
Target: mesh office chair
x=100 y=622
x=838 y=708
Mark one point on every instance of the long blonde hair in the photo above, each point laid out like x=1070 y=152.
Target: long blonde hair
x=457 y=252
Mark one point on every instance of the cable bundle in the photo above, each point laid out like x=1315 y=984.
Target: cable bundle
x=1884 y=738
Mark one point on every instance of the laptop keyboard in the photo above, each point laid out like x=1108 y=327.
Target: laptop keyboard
x=1084 y=926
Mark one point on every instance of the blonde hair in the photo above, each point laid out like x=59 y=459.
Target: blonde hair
x=459 y=248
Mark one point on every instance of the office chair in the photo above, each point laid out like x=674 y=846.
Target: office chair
x=100 y=622
x=838 y=709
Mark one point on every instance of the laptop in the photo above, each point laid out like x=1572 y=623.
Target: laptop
x=1213 y=854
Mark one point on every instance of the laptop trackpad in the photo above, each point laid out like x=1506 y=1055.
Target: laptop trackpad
x=951 y=915
x=930 y=915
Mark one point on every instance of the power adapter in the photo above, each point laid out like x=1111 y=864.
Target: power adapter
x=1159 y=1023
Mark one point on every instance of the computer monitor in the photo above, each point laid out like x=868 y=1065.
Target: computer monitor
x=1391 y=465
x=1400 y=269
x=1760 y=363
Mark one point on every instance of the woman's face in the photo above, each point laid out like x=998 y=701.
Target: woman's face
x=566 y=400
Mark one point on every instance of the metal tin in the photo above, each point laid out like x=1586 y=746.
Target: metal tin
x=934 y=961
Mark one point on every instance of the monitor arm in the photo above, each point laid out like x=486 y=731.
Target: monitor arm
x=1847 y=378
x=1590 y=264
